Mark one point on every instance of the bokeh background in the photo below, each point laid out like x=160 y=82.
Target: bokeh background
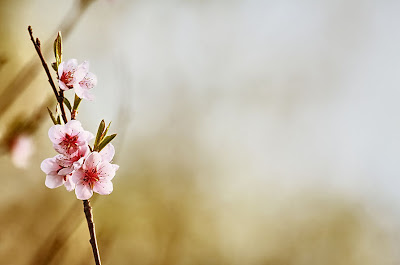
x=249 y=132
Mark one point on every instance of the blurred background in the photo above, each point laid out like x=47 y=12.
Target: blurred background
x=249 y=132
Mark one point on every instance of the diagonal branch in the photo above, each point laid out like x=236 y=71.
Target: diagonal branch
x=59 y=95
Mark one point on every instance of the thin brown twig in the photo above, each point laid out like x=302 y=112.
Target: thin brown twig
x=89 y=218
x=59 y=95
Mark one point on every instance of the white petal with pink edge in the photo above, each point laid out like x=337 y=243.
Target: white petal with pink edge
x=56 y=133
x=103 y=187
x=49 y=165
x=106 y=171
x=69 y=185
x=83 y=191
x=54 y=181
x=108 y=152
x=77 y=176
x=92 y=161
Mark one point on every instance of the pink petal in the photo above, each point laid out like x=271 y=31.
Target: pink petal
x=83 y=191
x=78 y=90
x=78 y=164
x=74 y=127
x=89 y=81
x=84 y=137
x=54 y=181
x=108 y=152
x=92 y=161
x=61 y=68
x=103 y=187
x=56 y=133
x=62 y=85
x=83 y=93
x=64 y=161
x=69 y=185
x=71 y=65
x=106 y=171
x=84 y=149
x=116 y=167
x=81 y=71
x=77 y=176
x=49 y=165
x=88 y=95
x=65 y=171
x=60 y=149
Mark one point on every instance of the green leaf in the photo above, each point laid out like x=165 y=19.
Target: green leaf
x=77 y=101
x=105 y=131
x=54 y=65
x=58 y=114
x=58 y=49
x=52 y=117
x=66 y=102
x=106 y=141
x=99 y=135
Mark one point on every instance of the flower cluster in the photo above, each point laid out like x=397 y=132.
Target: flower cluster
x=77 y=77
x=76 y=166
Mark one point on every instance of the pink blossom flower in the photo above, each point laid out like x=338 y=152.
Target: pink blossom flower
x=82 y=88
x=73 y=162
x=56 y=174
x=69 y=137
x=21 y=150
x=70 y=73
x=95 y=174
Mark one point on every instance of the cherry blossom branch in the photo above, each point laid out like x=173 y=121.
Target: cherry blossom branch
x=59 y=95
x=89 y=218
x=60 y=98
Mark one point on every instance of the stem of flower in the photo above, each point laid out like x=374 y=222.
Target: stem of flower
x=61 y=102
x=89 y=218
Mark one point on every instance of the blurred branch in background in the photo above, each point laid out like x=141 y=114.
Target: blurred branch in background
x=3 y=61
x=59 y=235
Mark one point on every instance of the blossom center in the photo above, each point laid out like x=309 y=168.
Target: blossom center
x=91 y=176
x=67 y=77
x=70 y=142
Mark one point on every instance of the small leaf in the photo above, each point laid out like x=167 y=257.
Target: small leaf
x=99 y=135
x=52 y=117
x=106 y=141
x=58 y=119
x=77 y=101
x=66 y=102
x=106 y=130
x=54 y=65
x=58 y=49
